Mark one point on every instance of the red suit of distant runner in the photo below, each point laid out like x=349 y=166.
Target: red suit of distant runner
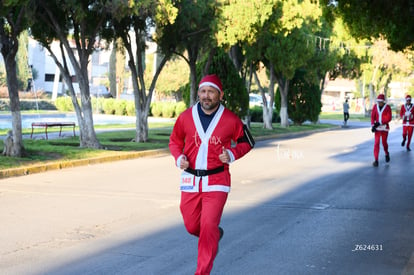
x=407 y=116
x=380 y=117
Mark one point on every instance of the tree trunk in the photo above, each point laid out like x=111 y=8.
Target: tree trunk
x=267 y=114
x=192 y=61
x=209 y=60
x=193 y=83
x=112 y=71
x=87 y=135
x=372 y=90
x=9 y=45
x=248 y=88
x=17 y=147
x=142 y=100
x=84 y=114
x=284 y=89
x=141 y=134
x=322 y=85
x=119 y=69
x=387 y=82
x=362 y=87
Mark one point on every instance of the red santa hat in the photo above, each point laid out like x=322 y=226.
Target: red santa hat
x=408 y=98
x=381 y=98
x=211 y=80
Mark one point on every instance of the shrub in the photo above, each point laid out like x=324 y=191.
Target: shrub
x=29 y=105
x=156 y=109
x=168 y=109
x=180 y=107
x=45 y=105
x=120 y=107
x=256 y=115
x=109 y=106
x=64 y=104
x=130 y=108
x=235 y=97
x=304 y=99
x=99 y=104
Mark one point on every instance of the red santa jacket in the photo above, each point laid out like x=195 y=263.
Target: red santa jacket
x=203 y=148
x=407 y=114
x=383 y=117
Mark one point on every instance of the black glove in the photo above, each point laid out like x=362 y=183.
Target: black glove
x=376 y=124
x=373 y=129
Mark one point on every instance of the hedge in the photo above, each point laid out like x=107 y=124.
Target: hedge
x=256 y=115
x=113 y=106
x=26 y=105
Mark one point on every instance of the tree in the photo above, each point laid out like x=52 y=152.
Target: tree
x=378 y=18
x=328 y=62
x=281 y=55
x=138 y=18
x=304 y=99
x=23 y=70
x=285 y=44
x=349 y=53
x=76 y=25
x=382 y=66
x=239 y=25
x=13 y=22
x=189 y=34
x=235 y=97
x=172 y=78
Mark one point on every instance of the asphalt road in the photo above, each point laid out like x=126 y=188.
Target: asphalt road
x=313 y=204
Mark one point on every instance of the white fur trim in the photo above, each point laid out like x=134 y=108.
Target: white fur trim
x=215 y=188
x=209 y=84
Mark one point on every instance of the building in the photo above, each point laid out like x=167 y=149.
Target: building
x=49 y=78
x=336 y=92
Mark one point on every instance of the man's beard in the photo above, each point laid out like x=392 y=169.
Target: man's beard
x=209 y=105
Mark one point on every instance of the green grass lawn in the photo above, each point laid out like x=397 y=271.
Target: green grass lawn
x=115 y=142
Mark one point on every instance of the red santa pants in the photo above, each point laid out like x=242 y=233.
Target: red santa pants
x=408 y=132
x=202 y=213
x=384 y=136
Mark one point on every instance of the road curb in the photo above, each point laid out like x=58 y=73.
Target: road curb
x=44 y=167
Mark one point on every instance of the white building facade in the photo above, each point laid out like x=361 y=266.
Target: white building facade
x=48 y=75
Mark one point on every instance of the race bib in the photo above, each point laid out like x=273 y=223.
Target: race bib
x=186 y=181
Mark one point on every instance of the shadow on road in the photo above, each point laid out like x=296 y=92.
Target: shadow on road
x=341 y=217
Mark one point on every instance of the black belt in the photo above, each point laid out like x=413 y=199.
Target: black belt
x=202 y=173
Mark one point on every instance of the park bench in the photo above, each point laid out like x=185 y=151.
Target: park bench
x=53 y=124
